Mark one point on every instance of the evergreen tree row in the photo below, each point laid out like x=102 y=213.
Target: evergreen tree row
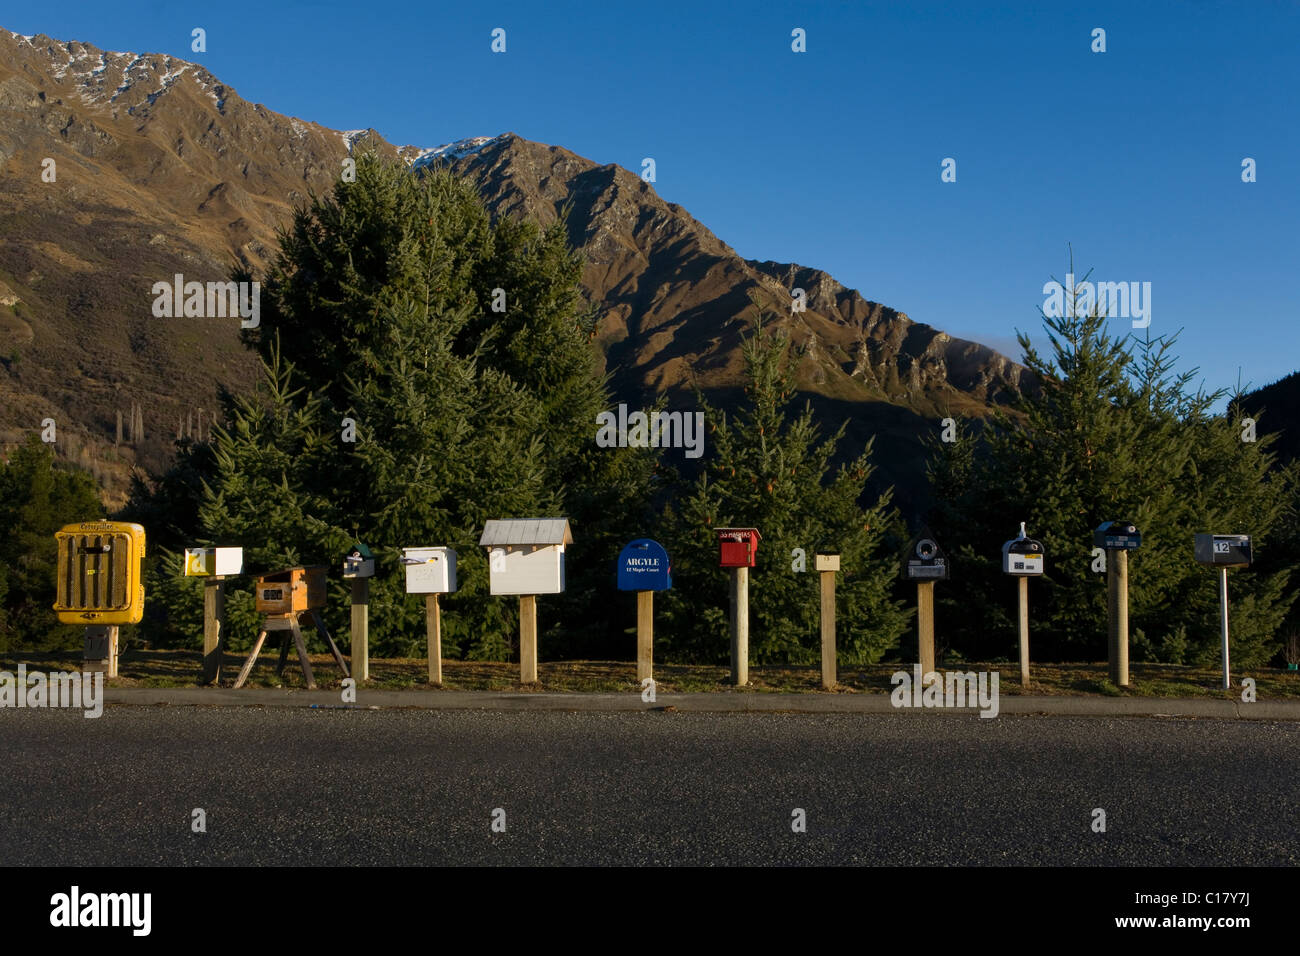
x=426 y=368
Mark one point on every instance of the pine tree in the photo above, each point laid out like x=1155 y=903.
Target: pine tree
x=380 y=313
x=773 y=473
x=37 y=497
x=1111 y=433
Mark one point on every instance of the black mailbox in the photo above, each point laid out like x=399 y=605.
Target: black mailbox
x=926 y=561
x=1223 y=550
x=1117 y=536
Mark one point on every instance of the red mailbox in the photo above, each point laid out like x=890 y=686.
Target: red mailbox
x=737 y=547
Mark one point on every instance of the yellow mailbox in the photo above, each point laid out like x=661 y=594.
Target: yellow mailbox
x=99 y=579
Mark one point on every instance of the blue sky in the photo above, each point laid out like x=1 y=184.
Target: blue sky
x=831 y=158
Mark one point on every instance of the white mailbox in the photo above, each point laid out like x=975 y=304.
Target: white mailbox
x=526 y=555
x=1022 y=556
x=429 y=570
x=213 y=562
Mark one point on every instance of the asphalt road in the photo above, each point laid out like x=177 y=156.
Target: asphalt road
x=300 y=786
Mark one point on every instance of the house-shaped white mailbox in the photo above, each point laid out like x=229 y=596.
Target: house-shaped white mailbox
x=429 y=570
x=526 y=555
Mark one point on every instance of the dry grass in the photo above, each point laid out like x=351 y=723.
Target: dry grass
x=175 y=668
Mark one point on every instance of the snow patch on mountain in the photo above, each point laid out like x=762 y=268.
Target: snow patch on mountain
x=351 y=136
x=451 y=151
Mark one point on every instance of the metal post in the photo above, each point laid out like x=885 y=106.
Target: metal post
x=828 y=629
x=214 y=638
x=1117 y=579
x=740 y=626
x=645 y=634
x=1223 y=604
x=1024 y=630
x=925 y=626
x=528 y=639
x=361 y=629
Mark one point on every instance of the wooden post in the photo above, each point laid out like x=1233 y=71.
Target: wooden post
x=319 y=622
x=301 y=645
x=113 y=632
x=1223 y=604
x=925 y=626
x=214 y=619
x=252 y=658
x=361 y=628
x=1117 y=579
x=528 y=639
x=828 y=629
x=433 y=624
x=645 y=635
x=1024 y=631
x=740 y=626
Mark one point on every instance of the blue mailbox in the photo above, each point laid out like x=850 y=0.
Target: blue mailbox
x=643 y=566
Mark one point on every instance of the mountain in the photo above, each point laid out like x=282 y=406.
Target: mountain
x=1280 y=405
x=159 y=168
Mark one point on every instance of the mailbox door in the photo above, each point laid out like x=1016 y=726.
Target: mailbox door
x=314 y=588
x=738 y=554
x=1025 y=563
x=526 y=569
x=274 y=598
x=200 y=562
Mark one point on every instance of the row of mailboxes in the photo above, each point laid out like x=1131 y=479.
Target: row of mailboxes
x=1024 y=556
x=99 y=564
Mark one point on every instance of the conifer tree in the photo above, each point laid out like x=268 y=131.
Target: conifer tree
x=774 y=473
x=1111 y=433
x=37 y=497
x=426 y=369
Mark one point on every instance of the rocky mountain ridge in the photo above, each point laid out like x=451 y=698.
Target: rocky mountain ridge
x=123 y=169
